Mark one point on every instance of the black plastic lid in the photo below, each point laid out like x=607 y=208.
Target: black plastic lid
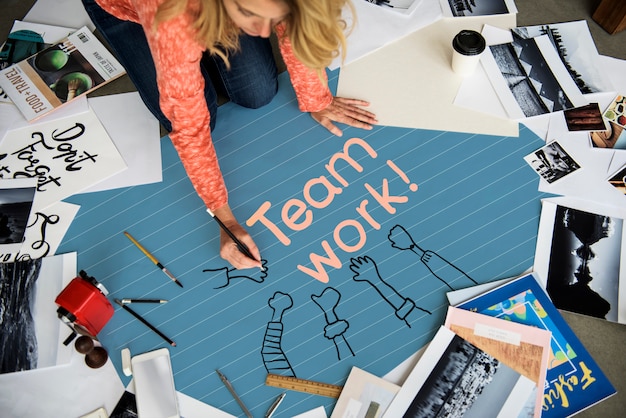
x=469 y=42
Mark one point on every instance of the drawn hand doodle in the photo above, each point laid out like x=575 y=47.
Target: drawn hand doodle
x=335 y=328
x=438 y=266
x=230 y=277
x=365 y=270
x=274 y=358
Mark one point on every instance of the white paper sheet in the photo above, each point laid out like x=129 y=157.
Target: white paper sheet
x=66 y=155
x=376 y=26
x=135 y=133
x=60 y=12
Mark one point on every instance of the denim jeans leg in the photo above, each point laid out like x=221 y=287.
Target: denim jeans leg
x=128 y=42
x=252 y=79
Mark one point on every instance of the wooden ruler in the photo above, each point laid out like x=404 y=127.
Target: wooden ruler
x=302 y=385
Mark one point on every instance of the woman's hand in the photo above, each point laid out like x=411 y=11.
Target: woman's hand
x=347 y=111
x=228 y=248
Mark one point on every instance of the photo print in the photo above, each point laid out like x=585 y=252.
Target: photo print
x=31 y=334
x=400 y=6
x=616 y=112
x=529 y=78
x=584 y=118
x=578 y=258
x=463 y=8
x=16 y=202
x=612 y=138
x=552 y=162
x=577 y=51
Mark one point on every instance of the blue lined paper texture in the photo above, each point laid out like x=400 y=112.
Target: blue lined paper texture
x=360 y=249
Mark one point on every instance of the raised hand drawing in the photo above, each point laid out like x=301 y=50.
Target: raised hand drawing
x=366 y=270
x=441 y=268
x=274 y=358
x=335 y=327
x=229 y=276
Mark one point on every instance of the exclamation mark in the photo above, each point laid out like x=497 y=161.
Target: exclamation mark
x=402 y=175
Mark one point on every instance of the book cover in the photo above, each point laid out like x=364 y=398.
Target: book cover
x=454 y=378
x=26 y=39
x=74 y=66
x=524 y=348
x=574 y=381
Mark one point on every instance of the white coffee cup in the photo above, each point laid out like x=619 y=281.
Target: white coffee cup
x=467 y=46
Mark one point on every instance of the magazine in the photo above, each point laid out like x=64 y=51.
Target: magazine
x=574 y=381
x=74 y=66
x=26 y=39
x=524 y=348
x=454 y=378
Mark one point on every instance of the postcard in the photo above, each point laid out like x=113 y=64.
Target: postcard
x=364 y=395
x=456 y=378
x=580 y=248
x=524 y=348
x=552 y=162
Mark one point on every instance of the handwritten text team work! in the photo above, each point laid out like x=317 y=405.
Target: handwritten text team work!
x=296 y=215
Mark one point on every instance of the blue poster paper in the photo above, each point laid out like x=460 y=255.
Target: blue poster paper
x=362 y=236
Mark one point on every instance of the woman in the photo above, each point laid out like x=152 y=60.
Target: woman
x=172 y=49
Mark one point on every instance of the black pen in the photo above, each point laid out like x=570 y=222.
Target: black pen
x=146 y=323
x=125 y=301
x=240 y=245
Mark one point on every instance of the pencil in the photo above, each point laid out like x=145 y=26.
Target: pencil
x=146 y=323
x=231 y=389
x=240 y=245
x=153 y=259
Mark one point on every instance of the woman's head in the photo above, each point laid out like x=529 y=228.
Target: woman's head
x=314 y=27
x=256 y=17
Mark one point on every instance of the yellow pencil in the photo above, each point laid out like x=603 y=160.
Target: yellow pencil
x=152 y=258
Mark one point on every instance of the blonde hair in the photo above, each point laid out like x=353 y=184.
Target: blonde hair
x=314 y=27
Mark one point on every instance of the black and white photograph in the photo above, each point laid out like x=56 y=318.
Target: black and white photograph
x=31 y=334
x=458 y=379
x=552 y=162
x=577 y=51
x=16 y=202
x=583 y=269
x=530 y=78
x=400 y=6
x=462 y=8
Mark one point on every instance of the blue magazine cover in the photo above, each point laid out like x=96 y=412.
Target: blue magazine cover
x=574 y=381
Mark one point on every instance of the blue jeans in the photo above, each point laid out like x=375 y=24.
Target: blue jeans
x=251 y=80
